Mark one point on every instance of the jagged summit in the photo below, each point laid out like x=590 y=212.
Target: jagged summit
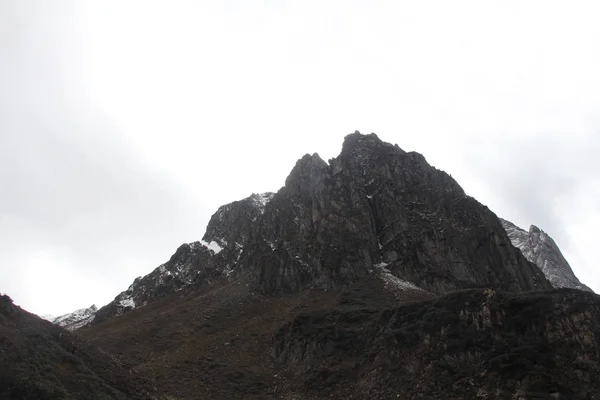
x=539 y=248
x=306 y=174
x=332 y=223
x=358 y=144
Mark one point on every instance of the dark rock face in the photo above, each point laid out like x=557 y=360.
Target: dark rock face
x=330 y=224
x=470 y=344
x=374 y=205
x=235 y=221
x=39 y=360
x=539 y=248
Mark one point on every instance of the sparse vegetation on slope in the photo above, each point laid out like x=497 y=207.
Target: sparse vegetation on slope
x=42 y=361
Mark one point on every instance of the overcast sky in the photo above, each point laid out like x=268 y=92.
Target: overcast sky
x=125 y=124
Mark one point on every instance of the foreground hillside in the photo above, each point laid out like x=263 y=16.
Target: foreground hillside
x=371 y=340
x=368 y=341
x=39 y=360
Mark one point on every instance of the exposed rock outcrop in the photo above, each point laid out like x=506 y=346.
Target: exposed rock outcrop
x=472 y=344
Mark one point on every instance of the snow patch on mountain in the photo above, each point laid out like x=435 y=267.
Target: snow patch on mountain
x=392 y=282
x=127 y=302
x=214 y=246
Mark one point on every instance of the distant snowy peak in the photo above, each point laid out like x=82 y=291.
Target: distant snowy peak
x=540 y=249
x=76 y=319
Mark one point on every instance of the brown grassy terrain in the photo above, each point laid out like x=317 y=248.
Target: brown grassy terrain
x=218 y=343
x=362 y=342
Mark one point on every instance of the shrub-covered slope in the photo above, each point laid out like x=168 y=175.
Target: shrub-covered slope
x=39 y=360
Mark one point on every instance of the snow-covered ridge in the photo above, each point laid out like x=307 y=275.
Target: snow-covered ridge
x=76 y=319
x=539 y=248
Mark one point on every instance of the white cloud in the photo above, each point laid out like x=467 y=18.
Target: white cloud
x=192 y=104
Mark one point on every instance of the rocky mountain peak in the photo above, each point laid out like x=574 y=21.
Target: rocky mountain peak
x=330 y=224
x=374 y=209
x=308 y=172
x=6 y=304
x=232 y=224
x=358 y=144
x=539 y=248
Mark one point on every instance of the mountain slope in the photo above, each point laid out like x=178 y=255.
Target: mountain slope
x=472 y=344
x=540 y=249
x=39 y=360
x=363 y=341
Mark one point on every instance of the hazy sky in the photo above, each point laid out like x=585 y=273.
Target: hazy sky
x=125 y=124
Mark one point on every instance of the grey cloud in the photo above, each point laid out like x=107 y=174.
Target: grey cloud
x=69 y=182
x=80 y=188
x=535 y=177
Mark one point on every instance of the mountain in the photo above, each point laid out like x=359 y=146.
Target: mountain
x=540 y=249
x=333 y=223
x=39 y=360
x=75 y=319
x=371 y=276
